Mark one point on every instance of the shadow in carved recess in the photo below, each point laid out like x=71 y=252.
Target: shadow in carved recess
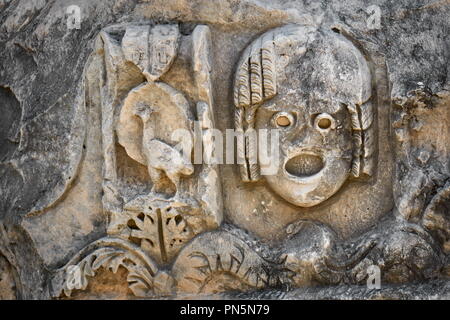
x=9 y=123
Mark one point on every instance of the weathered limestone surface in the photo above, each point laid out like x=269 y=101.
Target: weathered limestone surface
x=102 y=194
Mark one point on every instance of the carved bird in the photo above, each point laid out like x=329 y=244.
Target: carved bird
x=154 y=117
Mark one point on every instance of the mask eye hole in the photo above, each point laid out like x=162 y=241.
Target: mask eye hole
x=283 y=119
x=324 y=122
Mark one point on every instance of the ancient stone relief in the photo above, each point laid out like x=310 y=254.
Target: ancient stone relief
x=165 y=212
x=328 y=136
x=156 y=201
x=327 y=123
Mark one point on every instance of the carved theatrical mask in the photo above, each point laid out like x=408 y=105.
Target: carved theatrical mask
x=313 y=86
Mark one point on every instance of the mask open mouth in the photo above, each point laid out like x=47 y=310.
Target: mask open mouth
x=304 y=165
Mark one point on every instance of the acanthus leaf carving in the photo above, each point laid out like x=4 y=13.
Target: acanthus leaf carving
x=111 y=253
